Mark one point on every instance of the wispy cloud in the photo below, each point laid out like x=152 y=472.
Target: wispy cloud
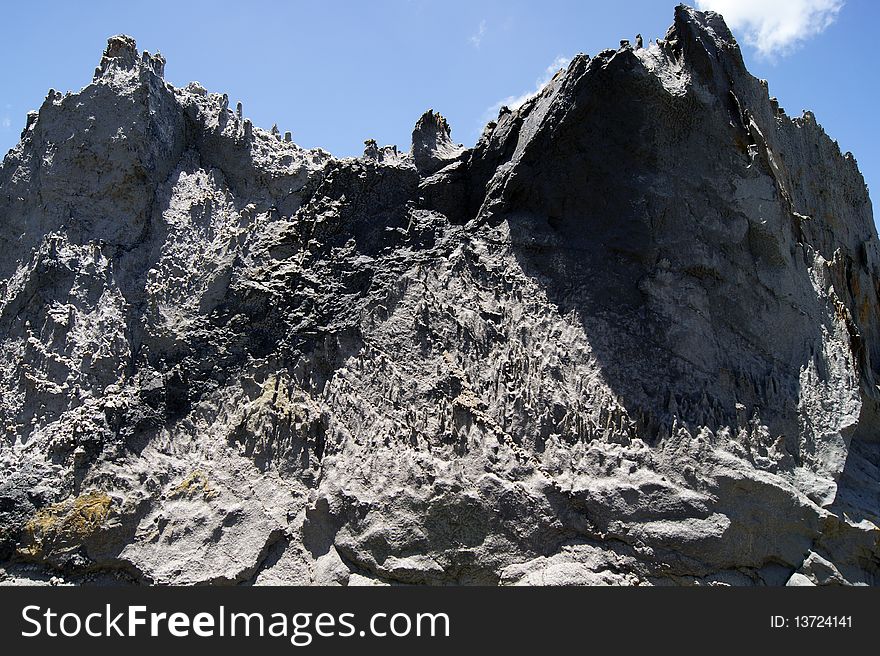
x=477 y=38
x=515 y=102
x=6 y=122
x=776 y=28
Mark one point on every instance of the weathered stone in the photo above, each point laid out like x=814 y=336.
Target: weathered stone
x=630 y=338
x=432 y=146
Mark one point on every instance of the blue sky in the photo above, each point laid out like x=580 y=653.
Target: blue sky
x=338 y=72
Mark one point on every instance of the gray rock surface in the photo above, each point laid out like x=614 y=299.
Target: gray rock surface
x=432 y=146
x=630 y=338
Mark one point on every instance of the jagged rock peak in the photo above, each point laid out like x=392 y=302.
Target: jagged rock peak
x=371 y=149
x=631 y=337
x=121 y=48
x=708 y=22
x=432 y=145
x=387 y=155
x=696 y=34
x=121 y=54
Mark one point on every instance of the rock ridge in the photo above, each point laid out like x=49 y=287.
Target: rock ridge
x=630 y=337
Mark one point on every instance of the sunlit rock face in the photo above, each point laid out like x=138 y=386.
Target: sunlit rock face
x=631 y=338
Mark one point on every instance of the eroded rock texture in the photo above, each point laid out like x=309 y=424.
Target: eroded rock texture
x=631 y=337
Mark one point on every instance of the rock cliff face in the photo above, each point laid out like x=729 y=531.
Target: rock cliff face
x=631 y=337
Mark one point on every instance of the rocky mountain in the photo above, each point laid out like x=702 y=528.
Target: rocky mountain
x=631 y=337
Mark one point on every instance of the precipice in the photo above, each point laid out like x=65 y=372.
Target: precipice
x=631 y=337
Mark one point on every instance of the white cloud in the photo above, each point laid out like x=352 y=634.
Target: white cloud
x=477 y=38
x=775 y=27
x=515 y=102
x=6 y=122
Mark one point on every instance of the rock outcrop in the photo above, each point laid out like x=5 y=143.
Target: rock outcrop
x=631 y=337
x=432 y=146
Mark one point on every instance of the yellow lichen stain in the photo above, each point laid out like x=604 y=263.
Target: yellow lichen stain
x=276 y=394
x=285 y=401
x=65 y=525
x=194 y=485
